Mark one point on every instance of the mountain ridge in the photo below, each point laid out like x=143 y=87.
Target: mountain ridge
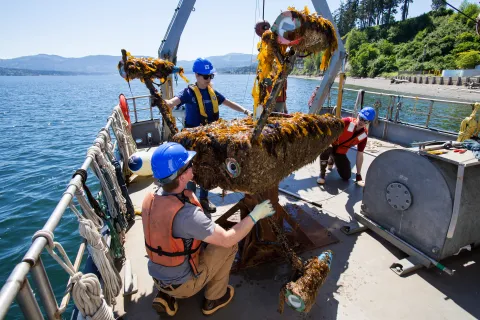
x=104 y=64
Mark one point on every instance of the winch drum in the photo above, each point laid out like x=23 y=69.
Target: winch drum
x=425 y=186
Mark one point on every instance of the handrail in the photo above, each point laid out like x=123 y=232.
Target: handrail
x=408 y=97
x=17 y=277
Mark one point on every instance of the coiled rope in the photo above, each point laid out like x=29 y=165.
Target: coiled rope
x=86 y=291
x=88 y=229
x=126 y=144
x=98 y=163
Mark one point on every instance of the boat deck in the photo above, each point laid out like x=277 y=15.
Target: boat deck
x=360 y=284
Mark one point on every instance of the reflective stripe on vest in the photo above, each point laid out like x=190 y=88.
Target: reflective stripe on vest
x=158 y=213
x=345 y=142
x=201 y=105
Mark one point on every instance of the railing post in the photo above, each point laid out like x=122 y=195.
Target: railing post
x=27 y=302
x=135 y=108
x=47 y=296
x=430 y=109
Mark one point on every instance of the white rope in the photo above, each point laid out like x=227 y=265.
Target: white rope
x=126 y=144
x=101 y=256
x=86 y=208
x=86 y=290
x=99 y=162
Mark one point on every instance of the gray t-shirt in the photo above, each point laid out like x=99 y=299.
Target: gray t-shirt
x=190 y=222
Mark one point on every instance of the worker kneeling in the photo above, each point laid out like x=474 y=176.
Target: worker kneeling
x=187 y=250
x=354 y=133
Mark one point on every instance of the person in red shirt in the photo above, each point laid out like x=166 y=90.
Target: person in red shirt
x=354 y=134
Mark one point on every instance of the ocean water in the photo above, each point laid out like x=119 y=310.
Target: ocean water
x=47 y=124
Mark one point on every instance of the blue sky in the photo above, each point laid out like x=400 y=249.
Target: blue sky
x=81 y=28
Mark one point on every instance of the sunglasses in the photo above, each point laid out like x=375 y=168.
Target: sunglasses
x=207 y=76
x=364 y=121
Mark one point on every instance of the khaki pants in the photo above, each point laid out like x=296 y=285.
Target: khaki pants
x=214 y=267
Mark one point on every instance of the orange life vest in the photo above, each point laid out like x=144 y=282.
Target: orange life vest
x=349 y=137
x=158 y=213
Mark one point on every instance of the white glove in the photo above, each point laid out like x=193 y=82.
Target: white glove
x=262 y=210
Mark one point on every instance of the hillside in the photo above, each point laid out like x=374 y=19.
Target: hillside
x=27 y=72
x=428 y=43
x=102 y=64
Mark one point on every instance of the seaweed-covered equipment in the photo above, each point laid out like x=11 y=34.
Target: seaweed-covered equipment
x=294 y=33
x=226 y=158
x=300 y=294
x=146 y=70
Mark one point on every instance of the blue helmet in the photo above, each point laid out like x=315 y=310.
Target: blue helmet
x=168 y=161
x=203 y=66
x=367 y=113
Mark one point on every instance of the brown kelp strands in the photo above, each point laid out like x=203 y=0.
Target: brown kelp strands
x=288 y=252
x=226 y=158
x=146 y=70
x=317 y=34
x=306 y=287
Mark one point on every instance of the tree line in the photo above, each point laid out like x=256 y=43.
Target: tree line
x=367 y=13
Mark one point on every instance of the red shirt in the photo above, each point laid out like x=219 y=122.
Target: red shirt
x=344 y=142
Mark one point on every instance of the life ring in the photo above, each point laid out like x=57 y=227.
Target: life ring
x=124 y=106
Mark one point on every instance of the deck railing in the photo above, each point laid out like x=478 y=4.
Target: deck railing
x=396 y=108
x=18 y=286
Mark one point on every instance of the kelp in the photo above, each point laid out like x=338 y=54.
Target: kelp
x=146 y=70
x=304 y=289
x=278 y=50
x=226 y=157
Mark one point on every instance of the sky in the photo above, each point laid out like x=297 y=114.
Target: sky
x=82 y=28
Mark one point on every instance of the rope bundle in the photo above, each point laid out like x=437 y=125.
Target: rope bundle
x=125 y=141
x=100 y=254
x=98 y=163
x=86 y=291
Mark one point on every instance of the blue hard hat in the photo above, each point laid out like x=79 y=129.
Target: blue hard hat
x=203 y=66
x=168 y=161
x=367 y=113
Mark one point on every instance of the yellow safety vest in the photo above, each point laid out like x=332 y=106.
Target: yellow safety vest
x=201 y=106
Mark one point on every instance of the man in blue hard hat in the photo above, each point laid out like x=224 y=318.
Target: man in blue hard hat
x=355 y=133
x=202 y=107
x=177 y=230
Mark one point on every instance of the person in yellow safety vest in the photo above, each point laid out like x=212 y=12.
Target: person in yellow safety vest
x=187 y=250
x=202 y=107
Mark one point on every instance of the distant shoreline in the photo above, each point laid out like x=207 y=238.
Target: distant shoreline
x=452 y=92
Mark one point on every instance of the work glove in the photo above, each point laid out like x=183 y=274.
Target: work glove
x=262 y=210
x=248 y=113
x=358 y=177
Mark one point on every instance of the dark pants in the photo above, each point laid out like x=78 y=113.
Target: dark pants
x=341 y=162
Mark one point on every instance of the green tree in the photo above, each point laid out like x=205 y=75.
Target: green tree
x=354 y=40
x=438 y=4
x=468 y=60
x=405 y=4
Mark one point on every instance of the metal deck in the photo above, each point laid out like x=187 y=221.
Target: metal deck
x=360 y=284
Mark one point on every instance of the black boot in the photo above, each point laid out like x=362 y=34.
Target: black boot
x=163 y=303
x=211 y=306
